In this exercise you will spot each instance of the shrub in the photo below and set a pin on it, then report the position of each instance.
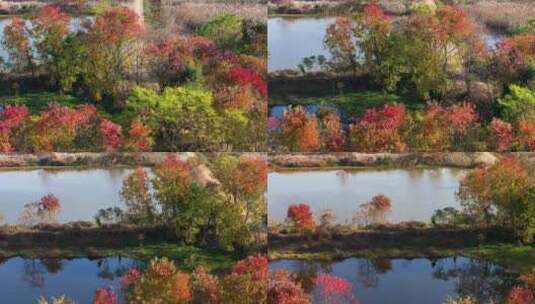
(46, 210)
(501, 191)
(373, 212)
(502, 133)
(518, 104)
(301, 217)
(182, 119)
(225, 30)
(379, 130)
(299, 131)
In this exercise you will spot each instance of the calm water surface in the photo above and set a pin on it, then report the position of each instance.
(415, 193)
(417, 281)
(292, 39)
(25, 280)
(81, 192)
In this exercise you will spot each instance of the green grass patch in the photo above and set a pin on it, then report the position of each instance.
(186, 257)
(36, 102)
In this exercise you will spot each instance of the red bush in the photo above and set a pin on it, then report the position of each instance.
(139, 137)
(379, 130)
(282, 289)
(301, 216)
(246, 77)
(111, 134)
(520, 295)
(502, 133)
(527, 134)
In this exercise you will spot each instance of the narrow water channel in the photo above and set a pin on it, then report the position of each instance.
(415, 193)
(81, 192)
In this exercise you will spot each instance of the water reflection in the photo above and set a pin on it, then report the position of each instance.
(415, 193)
(415, 281)
(25, 280)
(81, 192)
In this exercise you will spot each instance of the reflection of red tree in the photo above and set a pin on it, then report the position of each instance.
(334, 289)
(105, 296)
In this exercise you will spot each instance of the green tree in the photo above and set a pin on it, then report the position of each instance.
(243, 184)
(518, 104)
(182, 118)
(190, 207)
(502, 193)
(225, 30)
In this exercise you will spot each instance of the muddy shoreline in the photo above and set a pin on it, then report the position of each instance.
(444, 238)
(401, 160)
(82, 234)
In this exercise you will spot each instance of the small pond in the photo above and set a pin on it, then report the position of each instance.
(290, 39)
(416, 281)
(25, 280)
(80, 192)
(415, 193)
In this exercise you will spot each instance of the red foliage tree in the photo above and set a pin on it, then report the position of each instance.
(299, 131)
(10, 118)
(255, 266)
(206, 287)
(333, 135)
(248, 77)
(45, 210)
(520, 295)
(139, 137)
(527, 134)
(117, 25)
(445, 128)
(301, 217)
(111, 135)
(339, 41)
(250, 176)
(57, 126)
(17, 43)
(374, 211)
(514, 54)
(502, 133)
(379, 130)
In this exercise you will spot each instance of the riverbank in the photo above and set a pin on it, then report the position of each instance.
(88, 159)
(494, 245)
(188, 257)
(282, 161)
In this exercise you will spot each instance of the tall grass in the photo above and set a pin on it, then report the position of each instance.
(502, 15)
(189, 15)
